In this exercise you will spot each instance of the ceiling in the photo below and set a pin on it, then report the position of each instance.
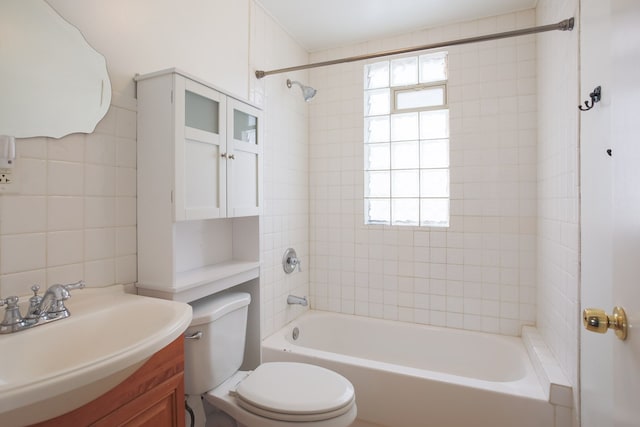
(323, 24)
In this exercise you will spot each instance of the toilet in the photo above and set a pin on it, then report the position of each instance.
(275, 394)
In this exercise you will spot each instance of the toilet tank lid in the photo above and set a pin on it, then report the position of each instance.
(213, 307)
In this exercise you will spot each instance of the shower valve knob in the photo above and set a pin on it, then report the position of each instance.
(290, 261)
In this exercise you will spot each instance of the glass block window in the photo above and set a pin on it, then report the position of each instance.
(406, 141)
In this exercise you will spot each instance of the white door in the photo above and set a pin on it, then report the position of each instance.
(610, 185)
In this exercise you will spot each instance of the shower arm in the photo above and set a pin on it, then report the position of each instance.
(565, 25)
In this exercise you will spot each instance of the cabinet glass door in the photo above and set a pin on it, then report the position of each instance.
(244, 167)
(201, 112)
(200, 152)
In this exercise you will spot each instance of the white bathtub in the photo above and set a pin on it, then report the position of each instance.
(408, 375)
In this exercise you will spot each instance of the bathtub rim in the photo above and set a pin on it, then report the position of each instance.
(529, 386)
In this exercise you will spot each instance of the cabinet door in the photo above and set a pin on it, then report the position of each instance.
(200, 152)
(244, 173)
(159, 407)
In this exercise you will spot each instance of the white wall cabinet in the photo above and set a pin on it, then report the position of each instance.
(214, 141)
(199, 187)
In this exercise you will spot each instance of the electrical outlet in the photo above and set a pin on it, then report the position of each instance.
(7, 181)
(6, 176)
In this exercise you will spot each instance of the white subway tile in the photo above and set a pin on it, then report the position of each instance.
(99, 180)
(22, 252)
(64, 178)
(35, 148)
(100, 149)
(100, 212)
(99, 243)
(100, 273)
(126, 243)
(23, 214)
(65, 213)
(126, 182)
(125, 123)
(65, 247)
(33, 176)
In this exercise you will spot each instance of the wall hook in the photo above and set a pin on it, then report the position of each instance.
(595, 96)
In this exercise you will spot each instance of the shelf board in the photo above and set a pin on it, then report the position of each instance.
(200, 282)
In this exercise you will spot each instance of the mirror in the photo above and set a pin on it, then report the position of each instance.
(52, 83)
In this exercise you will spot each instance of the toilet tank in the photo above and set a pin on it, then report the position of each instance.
(218, 354)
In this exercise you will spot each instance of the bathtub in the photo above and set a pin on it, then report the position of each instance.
(408, 375)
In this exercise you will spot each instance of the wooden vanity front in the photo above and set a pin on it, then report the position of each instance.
(153, 396)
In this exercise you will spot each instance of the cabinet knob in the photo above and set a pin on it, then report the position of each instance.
(232, 156)
(223, 155)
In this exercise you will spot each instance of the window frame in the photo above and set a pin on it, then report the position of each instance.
(394, 90)
(417, 87)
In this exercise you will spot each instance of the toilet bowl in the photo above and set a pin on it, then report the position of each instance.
(277, 394)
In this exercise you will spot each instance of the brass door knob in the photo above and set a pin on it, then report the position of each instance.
(597, 320)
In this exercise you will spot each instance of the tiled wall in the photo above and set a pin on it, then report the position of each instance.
(558, 189)
(75, 215)
(285, 219)
(480, 273)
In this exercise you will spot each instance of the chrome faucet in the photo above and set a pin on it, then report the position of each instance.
(52, 303)
(41, 310)
(292, 299)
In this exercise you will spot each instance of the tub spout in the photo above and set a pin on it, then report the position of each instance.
(292, 299)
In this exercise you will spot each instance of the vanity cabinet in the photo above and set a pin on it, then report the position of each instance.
(199, 187)
(152, 397)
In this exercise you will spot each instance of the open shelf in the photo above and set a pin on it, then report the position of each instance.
(200, 282)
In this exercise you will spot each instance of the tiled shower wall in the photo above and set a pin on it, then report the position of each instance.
(75, 215)
(480, 273)
(285, 219)
(558, 314)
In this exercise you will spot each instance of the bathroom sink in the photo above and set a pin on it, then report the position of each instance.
(52, 369)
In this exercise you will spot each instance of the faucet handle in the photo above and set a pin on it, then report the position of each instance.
(77, 285)
(290, 260)
(10, 302)
(61, 292)
(12, 316)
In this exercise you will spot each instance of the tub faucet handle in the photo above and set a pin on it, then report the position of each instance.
(294, 261)
(290, 261)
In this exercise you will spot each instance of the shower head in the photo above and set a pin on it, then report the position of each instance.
(307, 91)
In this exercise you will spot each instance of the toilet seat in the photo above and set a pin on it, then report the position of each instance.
(224, 398)
(295, 392)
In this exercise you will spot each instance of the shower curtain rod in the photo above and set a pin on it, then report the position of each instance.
(565, 25)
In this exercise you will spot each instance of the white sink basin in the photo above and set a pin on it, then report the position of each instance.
(54, 368)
